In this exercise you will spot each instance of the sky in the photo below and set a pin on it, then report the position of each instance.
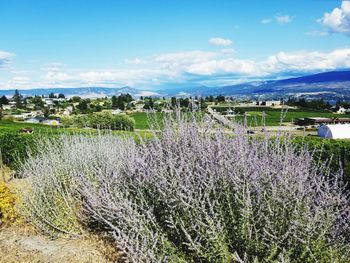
(159, 44)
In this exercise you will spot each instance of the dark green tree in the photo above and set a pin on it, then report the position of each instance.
(120, 103)
(173, 102)
(83, 106)
(17, 97)
(114, 102)
(4, 100)
(37, 100)
(149, 104)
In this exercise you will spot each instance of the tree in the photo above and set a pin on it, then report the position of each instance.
(46, 112)
(61, 96)
(76, 99)
(4, 100)
(17, 97)
(82, 106)
(120, 103)
(126, 97)
(220, 98)
(114, 102)
(184, 102)
(203, 105)
(52, 95)
(149, 104)
(173, 102)
(37, 100)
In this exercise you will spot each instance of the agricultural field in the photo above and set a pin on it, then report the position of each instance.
(13, 127)
(273, 116)
(41, 129)
(142, 119)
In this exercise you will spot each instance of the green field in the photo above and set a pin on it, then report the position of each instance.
(273, 116)
(142, 119)
(10, 126)
(41, 129)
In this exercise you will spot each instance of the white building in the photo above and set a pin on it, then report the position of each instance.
(117, 111)
(341, 110)
(334, 131)
(8, 107)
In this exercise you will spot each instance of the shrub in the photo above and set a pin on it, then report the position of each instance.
(101, 120)
(15, 148)
(106, 120)
(193, 194)
(8, 211)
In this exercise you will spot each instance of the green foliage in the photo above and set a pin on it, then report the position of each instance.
(4, 100)
(310, 104)
(37, 100)
(15, 148)
(120, 101)
(335, 152)
(17, 97)
(101, 120)
(76, 99)
(149, 104)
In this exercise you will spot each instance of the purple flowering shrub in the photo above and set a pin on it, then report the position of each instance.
(192, 194)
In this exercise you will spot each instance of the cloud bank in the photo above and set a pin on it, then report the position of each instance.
(195, 67)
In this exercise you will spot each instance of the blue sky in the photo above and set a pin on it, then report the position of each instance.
(152, 44)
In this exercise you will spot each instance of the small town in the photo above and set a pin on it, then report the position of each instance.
(295, 115)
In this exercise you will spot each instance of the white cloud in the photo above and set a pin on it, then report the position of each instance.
(308, 61)
(218, 41)
(135, 61)
(279, 19)
(339, 19)
(5, 57)
(284, 19)
(228, 51)
(317, 33)
(195, 67)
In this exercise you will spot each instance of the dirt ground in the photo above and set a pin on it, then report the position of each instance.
(17, 246)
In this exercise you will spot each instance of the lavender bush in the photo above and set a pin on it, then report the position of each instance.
(192, 194)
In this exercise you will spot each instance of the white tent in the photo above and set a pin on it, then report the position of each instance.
(334, 131)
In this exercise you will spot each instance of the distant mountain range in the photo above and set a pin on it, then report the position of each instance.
(327, 85)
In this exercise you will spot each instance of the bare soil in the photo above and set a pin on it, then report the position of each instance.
(25, 246)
